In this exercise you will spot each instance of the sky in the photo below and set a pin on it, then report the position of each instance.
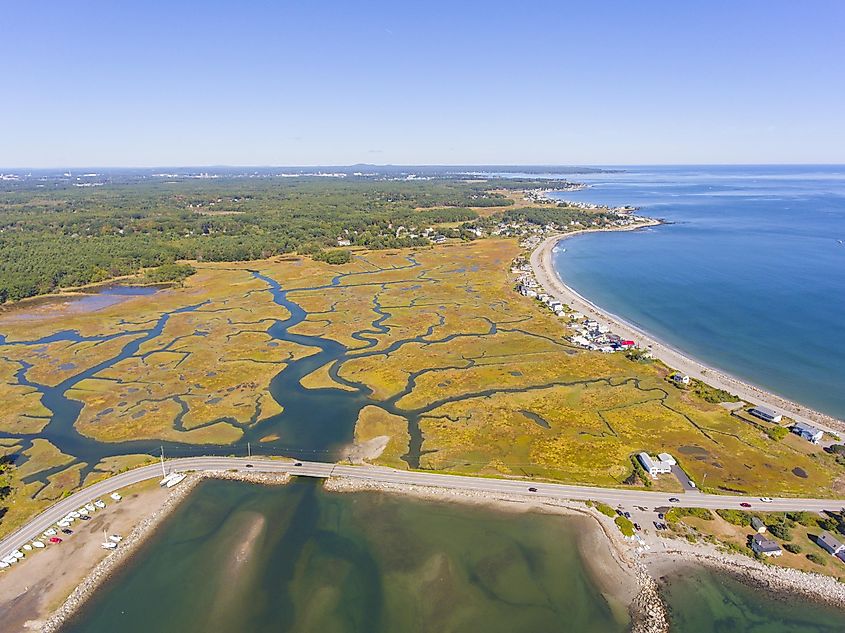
(209, 82)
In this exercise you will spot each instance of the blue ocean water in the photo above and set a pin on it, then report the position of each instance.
(749, 276)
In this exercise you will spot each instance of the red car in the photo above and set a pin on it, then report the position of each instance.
(745, 505)
(55, 539)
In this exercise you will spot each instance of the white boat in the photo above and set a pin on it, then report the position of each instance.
(28, 547)
(90, 507)
(167, 479)
(115, 496)
(50, 532)
(74, 514)
(10, 560)
(37, 544)
(116, 538)
(63, 524)
(109, 545)
(177, 479)
(3, 564)
(18, 554)
(83, 512)
(99, 504)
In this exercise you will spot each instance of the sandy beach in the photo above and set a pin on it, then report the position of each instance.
(548, 278)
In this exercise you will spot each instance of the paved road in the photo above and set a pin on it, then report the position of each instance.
(611, 496)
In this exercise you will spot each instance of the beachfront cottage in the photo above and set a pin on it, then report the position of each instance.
(680, 379)
(767, 414)
(765, 547)
(758, 525)
(809, 433)
(832, 545)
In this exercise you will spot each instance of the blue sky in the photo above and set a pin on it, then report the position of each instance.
(307, 83)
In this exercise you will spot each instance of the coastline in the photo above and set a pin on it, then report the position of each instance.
(551, 281)
(100, 574)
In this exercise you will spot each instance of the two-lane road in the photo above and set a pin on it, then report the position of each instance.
(611, 496)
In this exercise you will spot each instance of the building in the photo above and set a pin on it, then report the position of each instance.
(767, 414)
(765, 547)
(831, 544)
(654, 467)
(666, 457)
(758, 525)
(680, 379)
(809, 433)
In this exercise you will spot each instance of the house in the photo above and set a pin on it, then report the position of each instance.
(809, 433)
(828, 542)
(765, 547)
(680, 379)
(766, 413)
(627, 343)
(654, 467)
(666, 457)
(758, 525)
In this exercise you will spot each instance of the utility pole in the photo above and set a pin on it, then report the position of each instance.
(248, 450)
(163, 472)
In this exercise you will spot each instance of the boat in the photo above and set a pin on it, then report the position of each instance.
(99, 504)
(37, 544)
(116, 538)
(3, 564)
(115, 496)
(28, 547)
(90, 507)
(74, 514)
(50, 532)
(63, 524)
(108, 545)
(176, 479)
(10, 560)
(167, 479)
(83, 512)
(18, 554)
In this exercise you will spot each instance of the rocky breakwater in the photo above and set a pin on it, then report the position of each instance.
(101, 573)
(645, 606)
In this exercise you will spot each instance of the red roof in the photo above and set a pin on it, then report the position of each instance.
(628, 343)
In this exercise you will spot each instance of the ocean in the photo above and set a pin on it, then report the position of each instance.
(748, 275)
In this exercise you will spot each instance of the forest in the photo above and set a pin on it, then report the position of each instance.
(60, 236)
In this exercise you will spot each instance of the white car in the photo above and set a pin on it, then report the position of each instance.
(766, 499)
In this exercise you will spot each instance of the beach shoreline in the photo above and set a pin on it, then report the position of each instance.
(548, 277)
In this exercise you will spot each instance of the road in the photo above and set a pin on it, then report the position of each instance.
(611, 496)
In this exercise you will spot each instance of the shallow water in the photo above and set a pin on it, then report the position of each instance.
(703, 601)
(241, 557)
(750, 277)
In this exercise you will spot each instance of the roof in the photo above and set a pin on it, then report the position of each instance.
(757, 523)
(766, 411)
(802, 427)
(765, 545)
(829, 541)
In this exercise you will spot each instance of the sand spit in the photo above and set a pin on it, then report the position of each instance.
(637, 588)
(548, 278)
(142, 531)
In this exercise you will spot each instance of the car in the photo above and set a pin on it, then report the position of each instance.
(627, 515)
(657, 525)
(674, 500)
(745, 504)
(297, 464)
(532, 489)
(249, 466)
(85, 517)
(661, 516)
(637, 527)
(55, 539)
(766, 499)
(67, 531)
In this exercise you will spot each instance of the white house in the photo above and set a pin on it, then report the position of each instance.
(767, 414)
(666, 457)
(765, 547)
(809, 433)
(828, 542)
(681, 379)
(654, 467)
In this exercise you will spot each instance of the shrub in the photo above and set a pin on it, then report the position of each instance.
(779, 530)
(777, 433)
(735, 517)
(334, 257)
(625, 526)
(818, 559)
(792, 547)
(605, 509)
(807, 519)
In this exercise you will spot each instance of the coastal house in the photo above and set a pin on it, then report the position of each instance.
(766, 413)
(654, 467)
(680, 379)
(765, 547)
(667, 458)
(758, 526)
(832, 545)
(809, 433)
